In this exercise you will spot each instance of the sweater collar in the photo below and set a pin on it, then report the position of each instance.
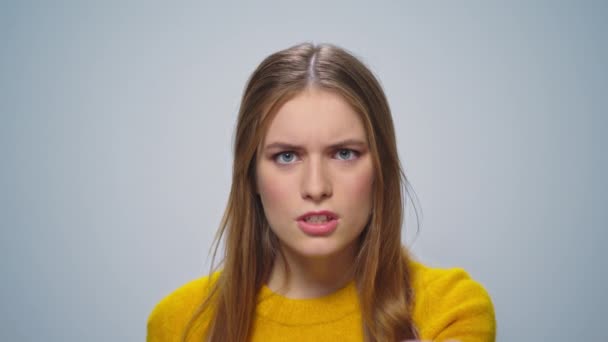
(288, 311)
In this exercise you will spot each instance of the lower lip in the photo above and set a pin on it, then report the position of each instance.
(318, 229)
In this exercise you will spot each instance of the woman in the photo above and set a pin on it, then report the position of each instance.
(312, 228)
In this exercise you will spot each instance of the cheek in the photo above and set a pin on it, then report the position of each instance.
(358, 199)
(361, 184)
(273, 192)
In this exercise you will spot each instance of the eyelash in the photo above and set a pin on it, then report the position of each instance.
(354, 153)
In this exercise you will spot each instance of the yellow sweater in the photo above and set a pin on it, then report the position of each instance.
(448, 305)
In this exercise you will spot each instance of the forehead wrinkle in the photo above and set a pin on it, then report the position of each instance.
(307, 126)
(325, 118)
(324, 136)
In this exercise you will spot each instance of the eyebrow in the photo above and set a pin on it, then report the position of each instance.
(287, 146)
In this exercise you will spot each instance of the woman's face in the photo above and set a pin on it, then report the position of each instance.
(315, 157)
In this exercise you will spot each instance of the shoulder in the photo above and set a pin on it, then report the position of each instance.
(449, 304)
(172, 313)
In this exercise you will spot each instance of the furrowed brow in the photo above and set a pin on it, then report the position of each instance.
(286, 146)
(282, 146)
(350, 142)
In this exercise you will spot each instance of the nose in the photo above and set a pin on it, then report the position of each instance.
(316, 182)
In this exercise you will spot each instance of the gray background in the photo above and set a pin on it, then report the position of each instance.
(116, 130)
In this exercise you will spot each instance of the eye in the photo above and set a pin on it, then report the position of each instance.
(346, 154)
(287, 157)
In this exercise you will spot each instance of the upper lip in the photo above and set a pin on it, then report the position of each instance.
(328, 213)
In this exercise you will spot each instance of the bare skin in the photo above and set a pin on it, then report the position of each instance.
(326, 166)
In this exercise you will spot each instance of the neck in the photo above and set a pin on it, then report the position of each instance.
(311, 277)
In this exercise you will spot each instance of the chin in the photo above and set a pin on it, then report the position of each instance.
(319, 249)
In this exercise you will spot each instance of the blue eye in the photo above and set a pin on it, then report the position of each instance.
(290, 157)
(346, 154)
(285, 157)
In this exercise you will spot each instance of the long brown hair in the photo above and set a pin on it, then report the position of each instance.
(381, 266)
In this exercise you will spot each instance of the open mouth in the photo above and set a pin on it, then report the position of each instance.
(318, 224)
(318, 218)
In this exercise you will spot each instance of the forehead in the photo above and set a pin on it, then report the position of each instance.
(315, 116)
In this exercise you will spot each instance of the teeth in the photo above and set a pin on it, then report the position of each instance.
(317, 218)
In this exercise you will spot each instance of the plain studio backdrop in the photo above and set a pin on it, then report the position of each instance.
(116, 133)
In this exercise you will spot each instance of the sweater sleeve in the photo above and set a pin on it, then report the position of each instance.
(453, 306)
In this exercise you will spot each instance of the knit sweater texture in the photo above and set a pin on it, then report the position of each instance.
(448, 305)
